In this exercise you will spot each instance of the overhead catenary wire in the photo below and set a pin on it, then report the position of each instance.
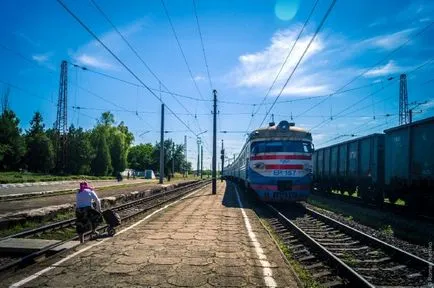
(240, 103)
(284, 62)
(301, 57)
(136, 53)
(110, 102)
(203, 46)
(180, 48)
(120, 61)
(420, 32)
(355, 130)
(185, 61)
(369, 95)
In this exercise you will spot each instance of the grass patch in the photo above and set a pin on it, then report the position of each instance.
(349, 259)
(32, 224)
(28, 177)
(387, 230)
(400, 202)
(303, 274)
(62, 234)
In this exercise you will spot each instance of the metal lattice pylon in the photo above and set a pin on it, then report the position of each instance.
(403, 100)
(62, 118)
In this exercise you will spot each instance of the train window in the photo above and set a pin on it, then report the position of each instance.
(281, 146)
(274, 147)
(298, 146)
(258, 147)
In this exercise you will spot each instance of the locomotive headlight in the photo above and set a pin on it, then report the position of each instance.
(259, 166)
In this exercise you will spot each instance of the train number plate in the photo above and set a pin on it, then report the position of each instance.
(284, 172)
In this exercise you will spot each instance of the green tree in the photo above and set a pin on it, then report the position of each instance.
(140, 157)
(172, 152)
(80, 151)
(129, 137)
(12, 146)
(107, 119)
(118, 152)
(36, 125)
(40, 152)
(101, 164)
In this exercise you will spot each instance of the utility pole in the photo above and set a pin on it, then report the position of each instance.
(403, 100)
(214, 145)
(173, 159)
(185, 155)
(198, 156)
(62, 119)
(201, 162)
(162, 146)
(222, 152)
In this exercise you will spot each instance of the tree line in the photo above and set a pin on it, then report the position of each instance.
(106, 149)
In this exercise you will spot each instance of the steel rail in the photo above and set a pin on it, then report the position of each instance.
(399, 253)
(70, 222)
(355, 278)
(29, 259)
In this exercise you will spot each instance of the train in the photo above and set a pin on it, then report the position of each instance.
(275, 163)
(396, 164)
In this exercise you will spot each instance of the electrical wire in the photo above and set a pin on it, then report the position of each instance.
(135, 52)
(284, 63)
(420, 32)
(369, 95)
(301, 57)
(203, 46)
(119, 60)
(180, 49)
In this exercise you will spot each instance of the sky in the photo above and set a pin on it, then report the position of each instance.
(346, 84)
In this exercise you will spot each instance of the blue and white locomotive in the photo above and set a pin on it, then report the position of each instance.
(276, 163)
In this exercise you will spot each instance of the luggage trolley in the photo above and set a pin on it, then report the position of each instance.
(112, 219)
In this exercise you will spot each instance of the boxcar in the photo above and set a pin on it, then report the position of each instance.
(409, 162)
(352, 166)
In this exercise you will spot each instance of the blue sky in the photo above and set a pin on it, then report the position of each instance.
(245, 42)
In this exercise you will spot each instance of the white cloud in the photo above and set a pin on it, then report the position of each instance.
(387, 69)
(87, 60)
(41, 58)
(199, 78)
(426, 19)
(378, 22)
(258, 70)
(389, 41)
(427, 105)
(93, 54)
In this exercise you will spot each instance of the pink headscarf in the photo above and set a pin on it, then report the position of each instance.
(84, 185)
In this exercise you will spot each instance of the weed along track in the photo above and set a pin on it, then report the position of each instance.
(63, 232)
(335, 253)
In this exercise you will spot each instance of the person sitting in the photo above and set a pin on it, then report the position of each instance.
(88, 210)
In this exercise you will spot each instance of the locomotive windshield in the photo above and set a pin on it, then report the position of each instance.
(281, 146)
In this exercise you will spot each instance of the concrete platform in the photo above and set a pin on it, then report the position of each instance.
(24, 246)
(203, 240)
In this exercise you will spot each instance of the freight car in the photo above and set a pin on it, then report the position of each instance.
(352, 166)
(409, 164)
(396, 164)
(275, 163)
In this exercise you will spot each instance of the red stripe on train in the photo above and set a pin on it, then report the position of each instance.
(272, 157)
(284, 166)
(274, 187)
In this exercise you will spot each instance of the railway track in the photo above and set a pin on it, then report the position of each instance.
(126, 211)
(401, 210)
(338, 255)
